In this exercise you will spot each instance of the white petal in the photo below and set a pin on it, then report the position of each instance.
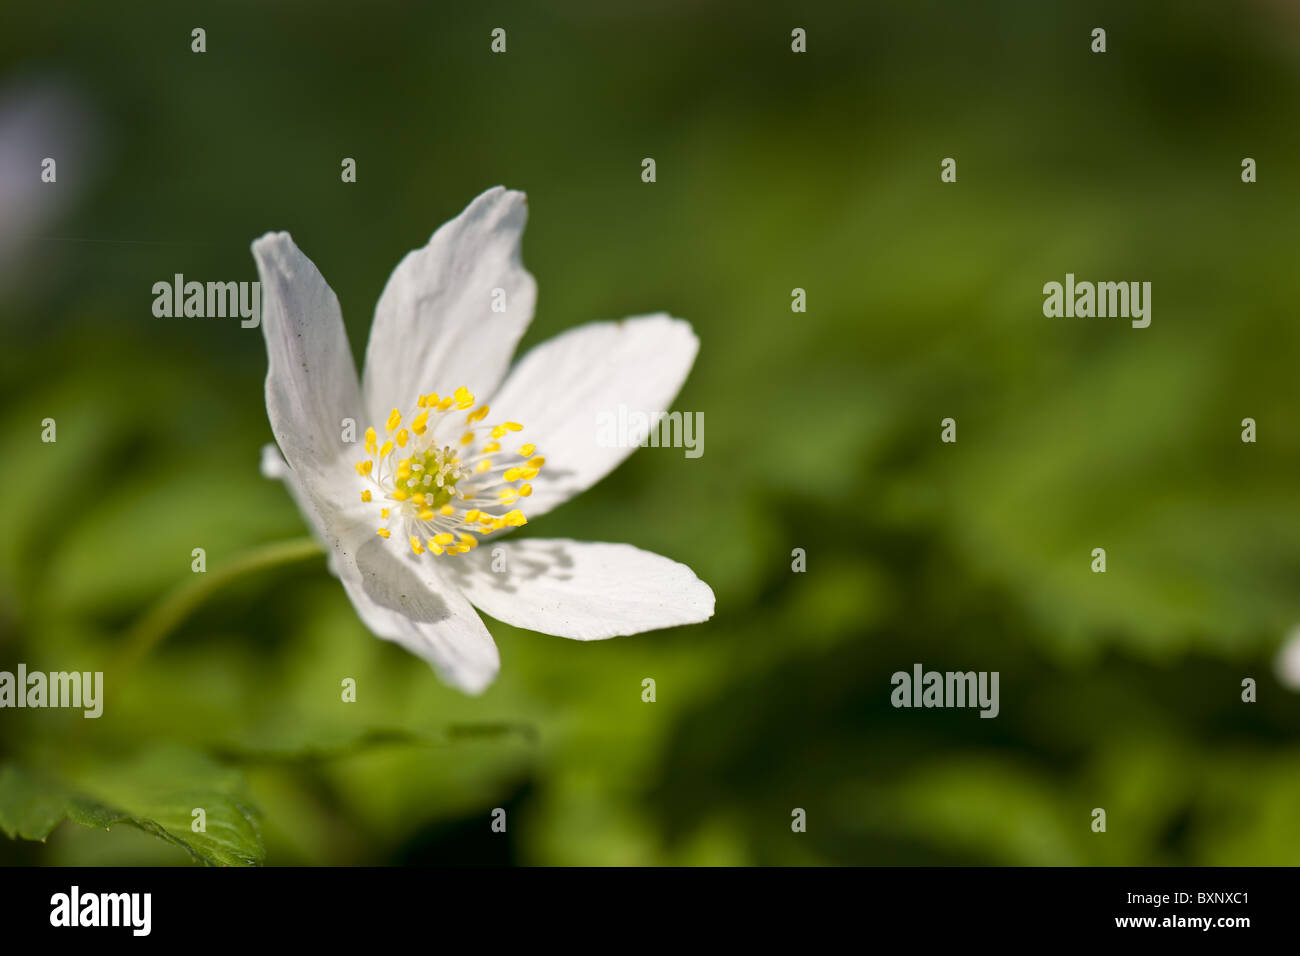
(405, 599)
(584, 590)
(274, 467)
(311, 383)
(1288, 661)
(272, 464)
(434, 328)
(396, 597)
(561, 389)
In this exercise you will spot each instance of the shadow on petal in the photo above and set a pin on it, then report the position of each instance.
(529, 560)
(391, 582)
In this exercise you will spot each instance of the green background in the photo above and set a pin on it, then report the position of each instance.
(821, 171)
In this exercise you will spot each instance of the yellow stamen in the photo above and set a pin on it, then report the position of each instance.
(432, 488)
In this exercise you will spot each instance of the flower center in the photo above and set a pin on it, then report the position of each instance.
(440, 475)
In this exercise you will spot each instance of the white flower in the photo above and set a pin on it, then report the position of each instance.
(402, 510)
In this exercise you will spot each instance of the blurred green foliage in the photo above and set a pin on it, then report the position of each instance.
(775, 171)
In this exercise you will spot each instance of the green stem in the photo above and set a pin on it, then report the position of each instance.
(180, 603)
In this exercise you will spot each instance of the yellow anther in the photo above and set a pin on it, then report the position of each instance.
(428, 485)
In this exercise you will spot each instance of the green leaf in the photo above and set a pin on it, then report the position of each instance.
(157, 793)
